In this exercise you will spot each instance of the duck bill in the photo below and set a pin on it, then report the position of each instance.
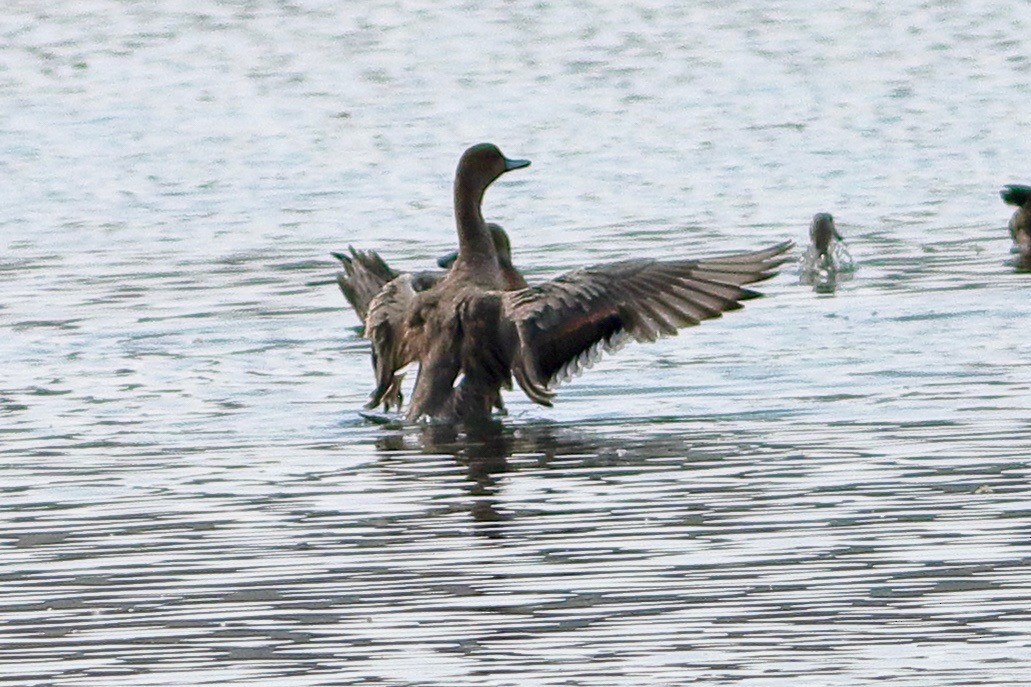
(515, 164)
(446, 261)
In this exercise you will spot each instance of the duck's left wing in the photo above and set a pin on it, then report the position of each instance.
(387, 328)
(364, 275)
(565, 324)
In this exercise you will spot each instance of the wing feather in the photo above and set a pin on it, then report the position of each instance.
(566, 324)
(364, 274)
(386, 327)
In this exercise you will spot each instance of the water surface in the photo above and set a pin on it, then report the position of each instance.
(820, 489)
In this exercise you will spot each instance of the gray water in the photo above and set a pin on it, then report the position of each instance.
(818, 490)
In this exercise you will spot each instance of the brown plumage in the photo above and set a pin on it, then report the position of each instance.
(363, 286)
(365, 273)
(563, 326)
(470, 337)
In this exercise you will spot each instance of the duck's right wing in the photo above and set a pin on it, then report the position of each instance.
(565, 324)
(364, 274)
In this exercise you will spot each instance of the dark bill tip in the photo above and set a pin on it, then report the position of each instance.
(515, 164)
(446, 261)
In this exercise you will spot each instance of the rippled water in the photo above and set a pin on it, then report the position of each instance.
(819, 490)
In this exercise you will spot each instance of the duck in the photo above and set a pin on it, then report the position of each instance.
(826, 257)
(1020, 222)
(365, 273)
(470, 337)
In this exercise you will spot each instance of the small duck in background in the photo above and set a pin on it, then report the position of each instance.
(1020, 222)
(826, 259)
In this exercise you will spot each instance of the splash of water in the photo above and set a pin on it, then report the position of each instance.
(824, 271)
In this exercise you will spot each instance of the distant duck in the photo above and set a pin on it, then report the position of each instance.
(1020, 222)
(470, 337)
(821, 232)
(826, 256)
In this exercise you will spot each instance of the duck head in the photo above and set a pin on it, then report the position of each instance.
(482, 163)
(1015, 194)
(478, 167)
(821, 231)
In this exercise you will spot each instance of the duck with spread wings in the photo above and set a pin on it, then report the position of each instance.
(470, 337)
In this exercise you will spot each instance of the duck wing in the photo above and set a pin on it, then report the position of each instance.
(564, 325)
(364, 274)
(386, 326)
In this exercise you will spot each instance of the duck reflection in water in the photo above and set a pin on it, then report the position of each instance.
(826, 261)
(487, 451)
(482, 448)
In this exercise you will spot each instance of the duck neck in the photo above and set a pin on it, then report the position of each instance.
(476, 252)
(510, 275)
